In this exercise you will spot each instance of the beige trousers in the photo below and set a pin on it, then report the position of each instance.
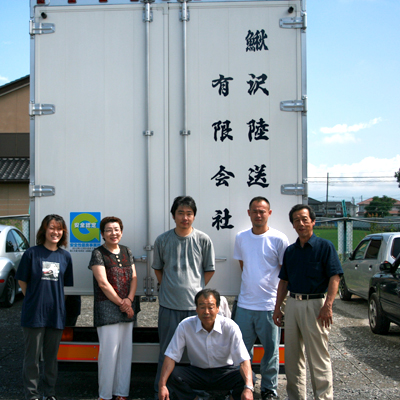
(303, 331)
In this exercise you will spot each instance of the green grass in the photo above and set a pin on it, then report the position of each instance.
(12, 222)
(358, 235)
(332, 235)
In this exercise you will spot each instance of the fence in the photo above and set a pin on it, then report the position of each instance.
(22, 222)
(345, 233)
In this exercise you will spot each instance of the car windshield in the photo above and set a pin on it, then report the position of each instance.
(11, 244)
(21, 241)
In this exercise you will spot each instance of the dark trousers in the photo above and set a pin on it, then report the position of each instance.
(168, 320)
(184, 379)
(36, 340)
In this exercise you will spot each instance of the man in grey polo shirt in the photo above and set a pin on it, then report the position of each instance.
(215, 348)
(184, 262)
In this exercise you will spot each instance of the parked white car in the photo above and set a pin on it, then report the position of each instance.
(365, 262)
(12, 245)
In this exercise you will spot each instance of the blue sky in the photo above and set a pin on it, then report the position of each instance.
(353, 63)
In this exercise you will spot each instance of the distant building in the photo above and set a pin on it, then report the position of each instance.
(317, 206)
(332, 209)
(361, 207)
(14, 148)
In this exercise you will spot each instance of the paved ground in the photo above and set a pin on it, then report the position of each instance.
(366, 366)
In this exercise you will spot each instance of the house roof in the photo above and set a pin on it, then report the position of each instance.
(366, 202)
(339, 203)
(14, 169)
(312, 201)
(14, 85)
(331, 204)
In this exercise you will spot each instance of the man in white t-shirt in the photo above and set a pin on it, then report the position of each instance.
(260, 253)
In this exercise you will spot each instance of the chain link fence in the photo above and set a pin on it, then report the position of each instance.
(345, 233)
(22, 222)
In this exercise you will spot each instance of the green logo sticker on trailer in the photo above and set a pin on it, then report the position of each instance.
(84, 231)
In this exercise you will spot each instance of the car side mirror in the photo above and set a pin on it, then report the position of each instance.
(351, 256)
(386, 266)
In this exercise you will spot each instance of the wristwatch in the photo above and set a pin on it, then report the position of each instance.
(249, 387)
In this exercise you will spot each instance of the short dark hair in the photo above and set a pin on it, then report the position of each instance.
(41, 233)
(299, 207)
(206, 293)
(107, 220)
(183, 201)
(258, 199)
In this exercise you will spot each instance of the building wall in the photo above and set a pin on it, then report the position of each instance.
(14, 123)
(14, 142)
(14, 199)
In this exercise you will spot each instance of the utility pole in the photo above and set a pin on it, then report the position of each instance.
(327, 190)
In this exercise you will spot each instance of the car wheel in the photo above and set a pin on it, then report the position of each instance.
(377, 320)
(344, 293)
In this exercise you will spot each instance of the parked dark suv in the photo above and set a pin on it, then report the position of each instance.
(384, 297)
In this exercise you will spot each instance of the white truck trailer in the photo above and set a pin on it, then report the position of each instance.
(134, 103)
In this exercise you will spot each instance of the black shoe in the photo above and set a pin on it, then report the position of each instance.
(268, 394)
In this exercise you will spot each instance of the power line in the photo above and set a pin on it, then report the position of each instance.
(352, 179)
(346, 181)
(338, 183)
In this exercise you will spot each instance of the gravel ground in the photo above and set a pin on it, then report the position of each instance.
(365, 366)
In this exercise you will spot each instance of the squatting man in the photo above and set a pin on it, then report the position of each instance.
(215, 348)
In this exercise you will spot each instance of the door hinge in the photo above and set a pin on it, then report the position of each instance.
(295, 105)
(41, 109)
(148, 286)
(41, 190)
(293, 189)
(147, 16)
(294, 23)
(39, 28)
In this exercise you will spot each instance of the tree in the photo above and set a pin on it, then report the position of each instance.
(397, 176)
(379, 207)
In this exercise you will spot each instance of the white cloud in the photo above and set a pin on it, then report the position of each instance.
(3, 80)
(343, 133)
(344, 128)
(341, 138)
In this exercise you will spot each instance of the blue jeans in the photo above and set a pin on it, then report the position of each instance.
(260, 323)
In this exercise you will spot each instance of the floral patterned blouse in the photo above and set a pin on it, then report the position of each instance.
(119, 274)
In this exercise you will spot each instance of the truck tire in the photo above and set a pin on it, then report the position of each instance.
(377, 320)
(9, 292)
(344, 293)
